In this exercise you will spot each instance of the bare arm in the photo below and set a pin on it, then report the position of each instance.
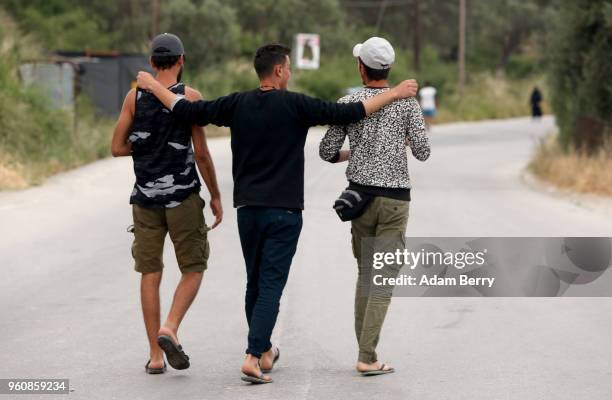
(204, 162)
(120, 145)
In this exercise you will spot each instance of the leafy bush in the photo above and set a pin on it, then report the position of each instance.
(489, 97)
(331, 80)
(36, 139)
(580, 65)
(218, 80)
(209, 31)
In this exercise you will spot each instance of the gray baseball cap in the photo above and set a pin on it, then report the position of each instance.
(376, 53)
(167, 44)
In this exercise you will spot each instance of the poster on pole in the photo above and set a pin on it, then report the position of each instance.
(307, 51)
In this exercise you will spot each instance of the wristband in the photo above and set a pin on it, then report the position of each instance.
(178, 98)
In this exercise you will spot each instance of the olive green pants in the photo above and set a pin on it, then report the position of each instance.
(380, 229)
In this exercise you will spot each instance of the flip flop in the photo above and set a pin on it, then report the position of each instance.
(174, 352)
(256, 380)
(155, 371)
(379, 371)
(276, 357)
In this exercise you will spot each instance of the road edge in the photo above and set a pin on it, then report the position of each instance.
(590, 202)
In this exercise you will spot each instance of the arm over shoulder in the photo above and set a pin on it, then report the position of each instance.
(202, 112)
(314, 111)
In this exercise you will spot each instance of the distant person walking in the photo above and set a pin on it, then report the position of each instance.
(536, 103)
(165, 198)
(377, 171)
(268, 133)
(427, 96)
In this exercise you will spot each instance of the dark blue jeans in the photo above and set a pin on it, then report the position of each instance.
(269, 238)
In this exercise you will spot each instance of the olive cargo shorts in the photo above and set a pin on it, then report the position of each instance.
(188, 232)
(384, 225)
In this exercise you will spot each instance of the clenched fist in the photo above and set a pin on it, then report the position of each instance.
(145, 80)
(408, 88)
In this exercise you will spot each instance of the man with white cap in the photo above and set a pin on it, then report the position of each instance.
(378, 178)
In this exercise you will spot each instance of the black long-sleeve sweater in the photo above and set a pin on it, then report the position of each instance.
(268, 130)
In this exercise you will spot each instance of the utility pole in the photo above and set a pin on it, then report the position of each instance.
(381, 14)
(462, 12)
(416, 34)
(154, 18)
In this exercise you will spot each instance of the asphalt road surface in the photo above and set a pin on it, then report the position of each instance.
(70, 304)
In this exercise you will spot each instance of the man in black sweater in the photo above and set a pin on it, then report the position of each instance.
(268, 132)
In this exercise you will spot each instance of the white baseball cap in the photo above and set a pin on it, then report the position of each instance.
(376, 53)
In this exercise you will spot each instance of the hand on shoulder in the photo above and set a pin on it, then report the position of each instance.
(192, 94)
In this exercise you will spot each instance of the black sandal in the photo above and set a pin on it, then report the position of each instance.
(379, 371)
(257, 380)
(154, 371)
(174, 352)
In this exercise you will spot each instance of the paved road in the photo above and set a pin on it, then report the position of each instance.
(70, 305)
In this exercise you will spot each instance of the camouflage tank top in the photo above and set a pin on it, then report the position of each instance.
(162, 153)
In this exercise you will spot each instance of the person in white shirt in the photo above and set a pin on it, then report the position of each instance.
(428, 103)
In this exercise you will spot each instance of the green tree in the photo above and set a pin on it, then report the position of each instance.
(279, 20)
(580, 72)
(414, 24)
(77, 25)
(499, 29)
(209, 30)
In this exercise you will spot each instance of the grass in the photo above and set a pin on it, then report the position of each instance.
(573, 169)
(489, 97)
(31, 150)
(36, 140)
(12, 173)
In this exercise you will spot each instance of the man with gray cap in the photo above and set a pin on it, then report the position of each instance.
(165, 198)
(378, 174)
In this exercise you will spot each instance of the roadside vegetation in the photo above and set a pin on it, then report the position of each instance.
(509, 50)
(572, 169)
(37, 140)
(580, 157)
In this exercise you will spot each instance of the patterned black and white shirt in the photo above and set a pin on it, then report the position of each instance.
(378, 142)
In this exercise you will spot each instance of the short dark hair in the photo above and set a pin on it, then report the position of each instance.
(268, 56)
(375, 74)
(164, 62)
